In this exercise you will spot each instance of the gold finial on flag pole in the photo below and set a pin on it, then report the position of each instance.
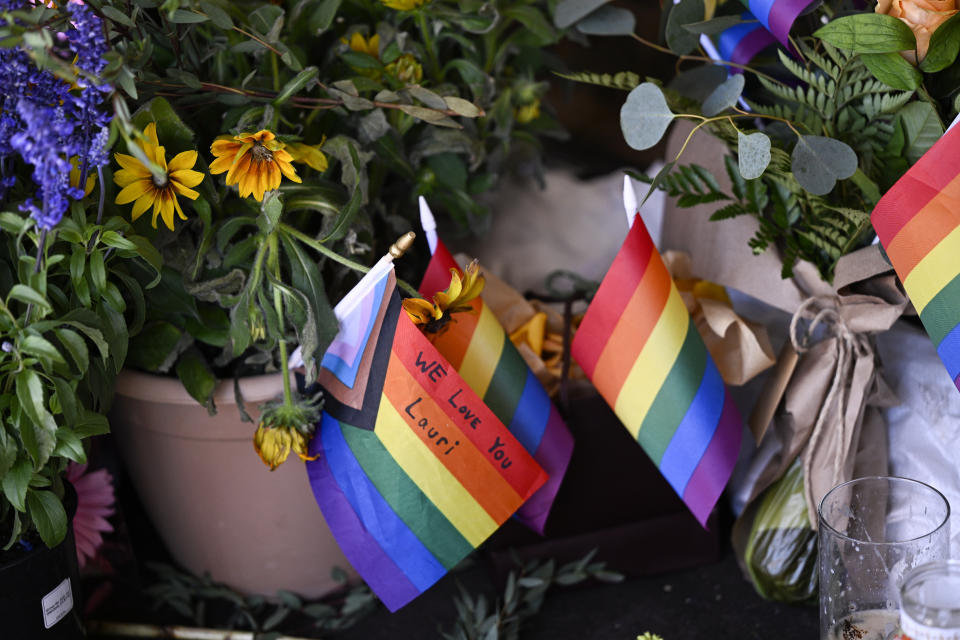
(402, 245)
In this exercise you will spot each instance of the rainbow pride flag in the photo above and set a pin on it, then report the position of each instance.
(414, 471)
(741, 42)
(477, 346)
(640, 348)
(918, 223)
(778, 16)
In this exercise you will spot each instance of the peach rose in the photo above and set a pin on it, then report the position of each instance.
(922, 16)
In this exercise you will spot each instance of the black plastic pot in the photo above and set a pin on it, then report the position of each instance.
(40, 591)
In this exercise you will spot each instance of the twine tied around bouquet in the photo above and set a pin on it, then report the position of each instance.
(828, 456)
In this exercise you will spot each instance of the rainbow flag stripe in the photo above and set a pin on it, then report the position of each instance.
(418, 473)
(639, 346)
(778, 16)
(477, 346)
(918, 223)
(741, 42)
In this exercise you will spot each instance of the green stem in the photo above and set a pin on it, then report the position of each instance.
(336, 257)
(429, 45)
(274, 266)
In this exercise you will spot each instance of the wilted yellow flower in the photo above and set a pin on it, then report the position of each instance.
(406, 69)
(274, 444)
(309, 155)
(528, 112)
(144, 188)
(404, 5)
(922, 16)
(360, 44)
(255, 161)
(433, 316)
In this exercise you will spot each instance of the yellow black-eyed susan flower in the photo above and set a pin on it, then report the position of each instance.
(285, 426)
(369, 46)
(143, 188)
(256, 162)
(433, 316)
(404, 5)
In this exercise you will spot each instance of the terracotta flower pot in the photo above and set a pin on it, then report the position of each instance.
(217, 507)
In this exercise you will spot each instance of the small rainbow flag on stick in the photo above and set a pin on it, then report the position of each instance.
(918, 223)
(477, 346)
(640, 348)
(414, 471)
(778, 16)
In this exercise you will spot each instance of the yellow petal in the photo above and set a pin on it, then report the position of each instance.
(183, 191)
(241, 164)
(176, 206)
(151, 133)
(123, 177)
(133, 191)
(287, 169)
(225, 145)
(142, 204)
(221, 164)
(166, 209)
(187, 177)
(183, 160)
(131, 164)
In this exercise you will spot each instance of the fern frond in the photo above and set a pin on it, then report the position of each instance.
(625, 80)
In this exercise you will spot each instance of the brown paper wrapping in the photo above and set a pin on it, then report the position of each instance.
(827, 387)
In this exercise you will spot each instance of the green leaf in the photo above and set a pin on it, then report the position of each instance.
(30, 394)
(463, 107)
(679, 39)
(323, 15)
(294, 86)
(360, 60)
(608, 21)
(42, 348)
(570, 11)
(891, 69)
(23, 293)
(217, 15)
(534, 20)
(154, 346)
(48, 515)
(98, 272)
(182, 16)
(117, 241)
(115, 333)
(212, 328)
(922, 128)
(76, 346)
(724, 96)
(645, 116)
(16, 481)
(305, 276)
(69, 446)
(868, 33)
(197, 378)
(67, 398)
(818, 162)
(343, 221)
(753, 154)
(171, 130)
(91, 424)
(944, 46)
(117, 16)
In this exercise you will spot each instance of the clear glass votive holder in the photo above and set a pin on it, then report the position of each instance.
(930, 602)
(872, 532)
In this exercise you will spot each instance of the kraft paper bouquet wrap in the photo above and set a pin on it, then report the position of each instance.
(819, 419)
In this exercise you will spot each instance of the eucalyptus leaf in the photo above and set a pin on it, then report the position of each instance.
(570, 11)
(818, 162)
(608, 21)
(715, 25)
(679, 39)
(645, 116)
(753, 154)
(724, 96)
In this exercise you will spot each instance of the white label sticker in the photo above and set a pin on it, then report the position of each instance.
(57, 604)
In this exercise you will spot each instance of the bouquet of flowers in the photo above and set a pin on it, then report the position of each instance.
(818, 109)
